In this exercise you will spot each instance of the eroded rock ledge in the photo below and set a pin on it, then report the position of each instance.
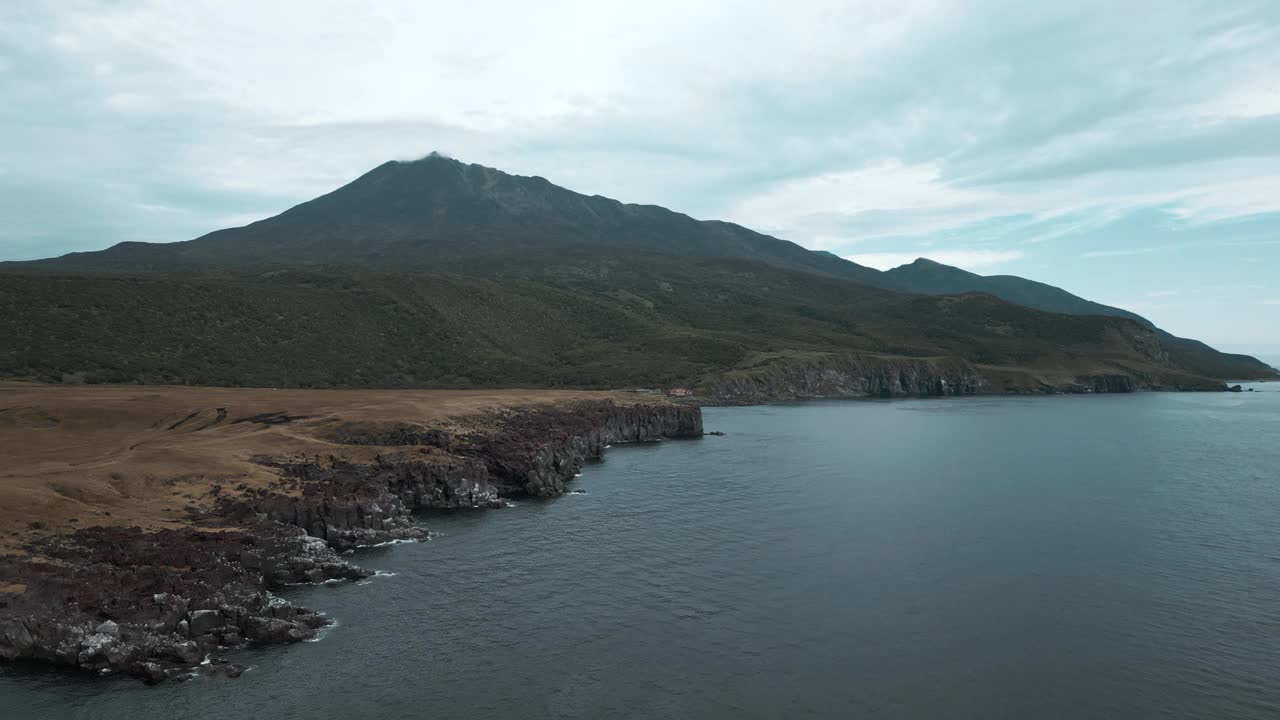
(159, 604)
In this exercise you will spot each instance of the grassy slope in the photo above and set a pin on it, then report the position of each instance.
(648, 320)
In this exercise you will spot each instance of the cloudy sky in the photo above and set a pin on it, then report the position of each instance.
(1127, 151)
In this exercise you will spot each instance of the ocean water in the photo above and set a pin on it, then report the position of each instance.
(1060, 557)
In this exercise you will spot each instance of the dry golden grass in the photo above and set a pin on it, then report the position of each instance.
(80, 456)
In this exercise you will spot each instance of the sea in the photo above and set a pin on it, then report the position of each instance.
(1111, 556)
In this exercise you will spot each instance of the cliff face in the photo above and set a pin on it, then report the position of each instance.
(154, 604)
(530, 452)
(853, 376)
(847, 376)
(535, 454)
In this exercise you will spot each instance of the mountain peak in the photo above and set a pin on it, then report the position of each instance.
(923, 264)
(432, 157)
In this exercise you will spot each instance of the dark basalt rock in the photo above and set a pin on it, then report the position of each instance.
(154, 604)
(530, 452)
(536, 452)
(345, 504)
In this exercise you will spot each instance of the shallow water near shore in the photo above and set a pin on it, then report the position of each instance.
(1058, 557)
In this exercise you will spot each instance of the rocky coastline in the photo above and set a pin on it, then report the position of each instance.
(864, 376)
(162, 604)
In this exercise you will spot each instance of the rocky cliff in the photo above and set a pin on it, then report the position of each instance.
(860, 376)
(846, 376)
(156, 604)
(521, 453)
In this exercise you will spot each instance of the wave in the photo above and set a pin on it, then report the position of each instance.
(396, 541)
(376, 574)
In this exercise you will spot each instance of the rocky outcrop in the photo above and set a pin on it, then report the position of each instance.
(532, 451)
(846, 376)
(156, 604)
(350, 504)
(536, 453)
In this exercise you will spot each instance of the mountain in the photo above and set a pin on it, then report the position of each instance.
(443, 215)
(931, 278)
(440, 273)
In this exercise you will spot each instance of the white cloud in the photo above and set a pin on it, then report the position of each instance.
(967, 259)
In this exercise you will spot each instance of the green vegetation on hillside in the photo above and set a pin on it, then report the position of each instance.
(649, 322)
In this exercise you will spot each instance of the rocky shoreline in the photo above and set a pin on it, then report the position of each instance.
(161, 604)
(865, 376)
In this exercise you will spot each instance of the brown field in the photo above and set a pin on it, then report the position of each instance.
(80, 456)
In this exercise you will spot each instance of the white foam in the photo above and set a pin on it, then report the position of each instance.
(397, 541)
(576, 492)
(376, 574)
